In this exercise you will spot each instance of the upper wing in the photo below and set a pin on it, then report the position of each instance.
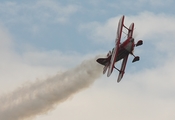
(119, 30)
(116, 48)
(122, 70)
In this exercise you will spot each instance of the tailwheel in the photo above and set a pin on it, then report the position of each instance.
(137, 58)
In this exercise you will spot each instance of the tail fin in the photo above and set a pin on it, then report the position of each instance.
(105, 62)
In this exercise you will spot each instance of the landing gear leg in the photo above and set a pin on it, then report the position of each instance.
(137, 58)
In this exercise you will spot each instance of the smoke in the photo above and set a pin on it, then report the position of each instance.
(41, 96)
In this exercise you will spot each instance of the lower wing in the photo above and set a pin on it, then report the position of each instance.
(122, 69)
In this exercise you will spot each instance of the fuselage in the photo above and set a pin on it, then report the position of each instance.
(125, 48)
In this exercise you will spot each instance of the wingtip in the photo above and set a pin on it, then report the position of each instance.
(119, 78)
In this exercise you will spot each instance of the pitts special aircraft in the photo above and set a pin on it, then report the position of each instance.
(120, 51)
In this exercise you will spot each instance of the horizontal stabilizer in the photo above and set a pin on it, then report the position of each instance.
(105, 68)
(102, 61)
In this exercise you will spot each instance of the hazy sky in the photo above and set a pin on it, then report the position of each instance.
(40, 38)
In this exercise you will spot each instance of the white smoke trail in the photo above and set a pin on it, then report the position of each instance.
(41, 96)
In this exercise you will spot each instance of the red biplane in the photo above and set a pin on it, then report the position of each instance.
(120, 51)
